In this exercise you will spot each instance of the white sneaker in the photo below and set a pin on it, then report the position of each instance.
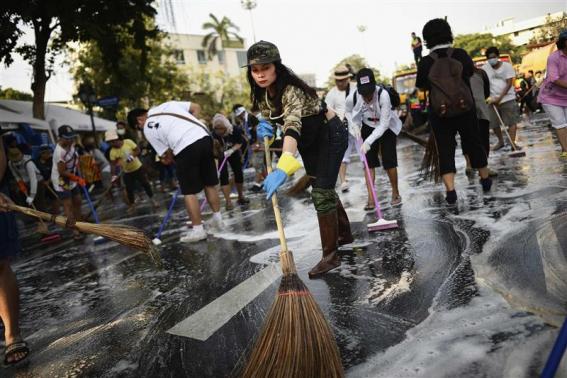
(194, 235)
(215, 224)
(344, 187)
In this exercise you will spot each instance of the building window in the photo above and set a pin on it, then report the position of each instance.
(201, 57)
(221, 57)
(179, 57)
(241, 57)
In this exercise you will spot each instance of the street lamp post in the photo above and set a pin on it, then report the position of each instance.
(88, 98)
(362, 29)
(249, 5)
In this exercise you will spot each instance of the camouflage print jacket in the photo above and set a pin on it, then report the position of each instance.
(296, 105)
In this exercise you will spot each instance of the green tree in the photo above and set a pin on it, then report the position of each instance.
(221, 30)
(56, 22)
(159, 81)
(356, 62)
(550, 30)
(14, 94)
(475, 44)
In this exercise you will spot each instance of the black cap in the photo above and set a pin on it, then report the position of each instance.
(262, 52)
(365, 82)
(66, 132)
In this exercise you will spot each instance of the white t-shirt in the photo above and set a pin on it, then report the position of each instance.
(170, 132)
(336, 100)
(498, 79)
(69, 158)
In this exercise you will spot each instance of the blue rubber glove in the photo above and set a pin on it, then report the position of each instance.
(273, 181)
(264, 129)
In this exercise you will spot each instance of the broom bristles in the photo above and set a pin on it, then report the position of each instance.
(126, 235)
(430, 162)
(296, 340)
(299, 186)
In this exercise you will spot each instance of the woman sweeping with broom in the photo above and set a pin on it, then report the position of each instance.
(296, 340)
(308, 127)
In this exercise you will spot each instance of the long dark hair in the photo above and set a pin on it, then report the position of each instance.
(284, 77)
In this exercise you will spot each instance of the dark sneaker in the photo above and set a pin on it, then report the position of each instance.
(256, 188)
(451, 197)
(486, 184)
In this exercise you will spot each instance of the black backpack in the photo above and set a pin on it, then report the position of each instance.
(394, 96)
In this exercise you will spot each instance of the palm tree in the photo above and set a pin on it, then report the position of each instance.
(223, 30)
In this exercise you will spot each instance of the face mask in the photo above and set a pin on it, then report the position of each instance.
(120, 131)
(493, 61)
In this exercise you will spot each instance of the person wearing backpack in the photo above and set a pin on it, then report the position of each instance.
(370, 115)
(445, 74)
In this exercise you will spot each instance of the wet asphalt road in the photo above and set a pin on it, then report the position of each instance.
(104, 311)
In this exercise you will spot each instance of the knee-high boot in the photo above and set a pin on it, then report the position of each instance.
(345, 235)
(329, 231)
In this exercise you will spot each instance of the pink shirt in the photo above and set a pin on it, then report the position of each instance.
(556, 69)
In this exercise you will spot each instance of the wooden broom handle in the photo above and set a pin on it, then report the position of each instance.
(277, 213)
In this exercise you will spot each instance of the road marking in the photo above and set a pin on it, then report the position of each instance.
(209, 319)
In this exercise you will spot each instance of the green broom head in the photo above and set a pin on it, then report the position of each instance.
(296, 340)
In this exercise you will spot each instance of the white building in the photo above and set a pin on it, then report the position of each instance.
(521, 31)
(189, 52)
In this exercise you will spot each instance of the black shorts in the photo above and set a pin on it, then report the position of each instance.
(195, 166)
(385, 146)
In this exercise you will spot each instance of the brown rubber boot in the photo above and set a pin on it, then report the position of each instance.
(329, 231)
(345, 235)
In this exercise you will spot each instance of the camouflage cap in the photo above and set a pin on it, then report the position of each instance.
(262, 52)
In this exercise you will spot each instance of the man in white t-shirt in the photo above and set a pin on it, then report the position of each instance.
(371, 118)
(501, 76)
(175, 133)
(336, 100)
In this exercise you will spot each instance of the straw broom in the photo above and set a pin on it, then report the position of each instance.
(296, 340)
(430, 162)
(125, 235)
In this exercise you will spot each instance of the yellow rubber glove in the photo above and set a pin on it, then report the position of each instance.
(288, 163)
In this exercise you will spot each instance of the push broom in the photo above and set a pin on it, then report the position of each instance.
(515, 151)
(296, 340)
(381, 224)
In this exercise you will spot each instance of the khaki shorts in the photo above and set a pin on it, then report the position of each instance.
(509, 112)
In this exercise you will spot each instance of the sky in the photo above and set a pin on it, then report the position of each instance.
(313, 35)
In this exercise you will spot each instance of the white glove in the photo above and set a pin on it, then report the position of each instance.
(29, 200)
(365, 147)
(228, 152)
